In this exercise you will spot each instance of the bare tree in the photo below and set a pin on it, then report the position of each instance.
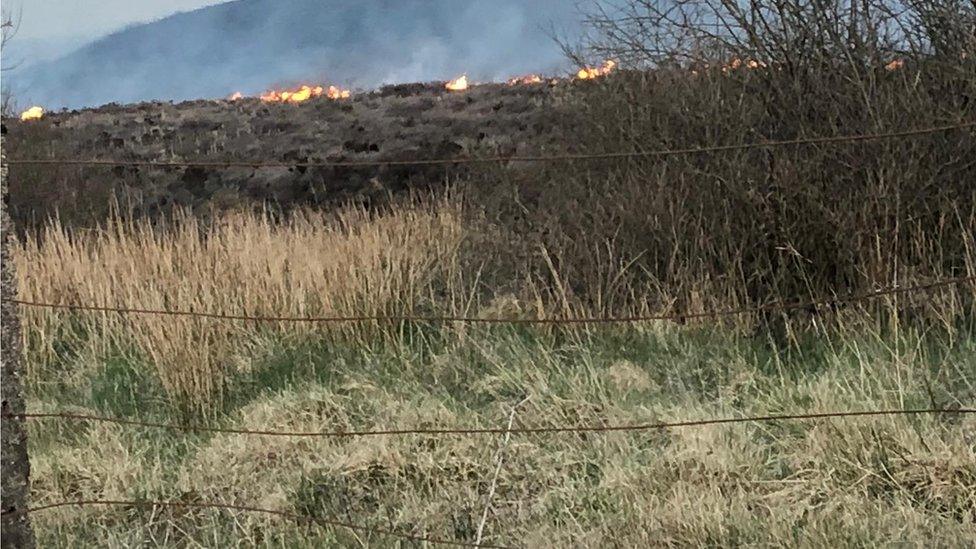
(788, 33)
(9, 25)
(700, 73)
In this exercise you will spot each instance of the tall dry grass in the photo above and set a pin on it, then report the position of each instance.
(421, 257)
(314, 264)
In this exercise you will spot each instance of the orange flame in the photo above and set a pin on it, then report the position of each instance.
(304, 93)
(458, 84)
(525, 80)
(235, 96)
(589, 73)
(337, 93)
(33, 113)
(895, 65)
(737, 63)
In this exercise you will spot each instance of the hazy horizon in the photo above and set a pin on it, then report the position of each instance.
(61, 19)
(49, 29)
(249, 45)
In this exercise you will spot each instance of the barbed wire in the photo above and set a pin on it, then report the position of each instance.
(499, 158)
(382, 531)
(782, 306)
(488, 430)
(772, 307)
(251, 509)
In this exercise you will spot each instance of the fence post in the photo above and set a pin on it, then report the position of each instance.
(14, 464)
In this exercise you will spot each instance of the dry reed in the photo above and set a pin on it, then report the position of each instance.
(312, 264)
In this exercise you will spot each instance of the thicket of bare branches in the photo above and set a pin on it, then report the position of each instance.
(832, 48)
(763, 224)
(790, 34)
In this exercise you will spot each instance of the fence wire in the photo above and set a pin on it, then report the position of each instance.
(783, 306)
(489, 430)
(772, 307)
(247, 508)
(804, 141)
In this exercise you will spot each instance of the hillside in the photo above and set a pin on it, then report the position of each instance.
(249, 45)
(403, 122)
(755, 327)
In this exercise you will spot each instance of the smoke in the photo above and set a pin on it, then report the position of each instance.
(251, 45)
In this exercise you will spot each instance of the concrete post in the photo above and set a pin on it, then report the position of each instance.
(15, 528)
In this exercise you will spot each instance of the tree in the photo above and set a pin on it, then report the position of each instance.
(9, 25)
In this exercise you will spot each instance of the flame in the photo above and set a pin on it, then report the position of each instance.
(895, 65)
(33, 113)
(589, 73)
(525, 80)
(458, 84)
(337, 93)
(235, 96)
(304, 93)
(737, 63)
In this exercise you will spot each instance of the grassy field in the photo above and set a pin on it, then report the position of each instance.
(863, 482)
(743, 226)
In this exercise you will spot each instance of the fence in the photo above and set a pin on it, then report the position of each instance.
(772, 307)
(473, 431)
(495, 431)
(799, 142)
(247, 508)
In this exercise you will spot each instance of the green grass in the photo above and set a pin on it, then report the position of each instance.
(860, 482)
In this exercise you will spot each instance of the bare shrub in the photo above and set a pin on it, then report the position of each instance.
(756, 225)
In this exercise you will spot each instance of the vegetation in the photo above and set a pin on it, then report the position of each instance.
(676, 235)
(854, 482)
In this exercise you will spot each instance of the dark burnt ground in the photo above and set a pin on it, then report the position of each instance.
(402, 122)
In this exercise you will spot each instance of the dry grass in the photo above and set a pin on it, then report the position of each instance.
(423, 256)
(353, 263)
(859, 482)
(862, 482)
(643, 236)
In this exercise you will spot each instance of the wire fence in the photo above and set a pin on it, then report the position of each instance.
(402, 535)
(491, 430)
(250, 509)
(477, 431)
(824, 140)
(772, 307)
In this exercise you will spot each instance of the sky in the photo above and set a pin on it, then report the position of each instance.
(76, 19)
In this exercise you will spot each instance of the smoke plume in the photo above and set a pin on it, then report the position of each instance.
(252, 45)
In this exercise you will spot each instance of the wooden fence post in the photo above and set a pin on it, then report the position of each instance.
(15, 526)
